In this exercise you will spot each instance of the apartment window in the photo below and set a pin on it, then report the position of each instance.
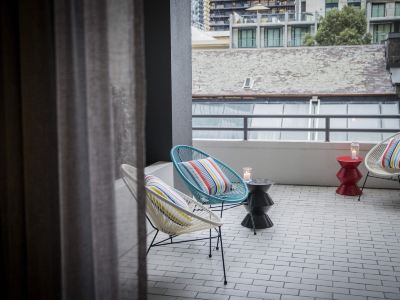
(298, 34)
(378, 10)
(397, 9)
(273, 37)
(247, 38)
(354, 3)
(380, 32)
(303, 6)
(331, 4)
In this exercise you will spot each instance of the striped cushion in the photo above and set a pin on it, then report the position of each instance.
(208, 176)
(391, 156)
(160, 188)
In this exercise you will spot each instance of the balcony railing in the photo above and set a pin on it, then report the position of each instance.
(327, 129)
(272, 18)
(389, 12)
(302, 17)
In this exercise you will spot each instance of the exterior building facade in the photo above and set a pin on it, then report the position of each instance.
(278, 28)
(383, 17)
(201, 14)
(272, 30)
(220, 10)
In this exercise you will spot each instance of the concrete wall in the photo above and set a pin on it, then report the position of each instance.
(168, 77)
(316, 6)
(303, 163)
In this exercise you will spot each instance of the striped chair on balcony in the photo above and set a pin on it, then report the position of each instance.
(234, 195)
(375, 165)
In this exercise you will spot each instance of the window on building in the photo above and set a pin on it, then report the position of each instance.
(354, 3)
(303, 6)
(331, 4)
(397, 9)
(378, 10)
(380, 32)
(297, 35)
(273, 37)
(247, 38)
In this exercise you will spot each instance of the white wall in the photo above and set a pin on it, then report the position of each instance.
(316, 6)
(303, 163)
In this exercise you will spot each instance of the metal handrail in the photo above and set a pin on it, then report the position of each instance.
(327, 128)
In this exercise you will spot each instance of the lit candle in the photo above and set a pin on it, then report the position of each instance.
(353, 154)
(354, 148)
(247, 174)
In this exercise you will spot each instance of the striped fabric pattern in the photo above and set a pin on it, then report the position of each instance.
(208, 175)
(390, 158)
(162, 189)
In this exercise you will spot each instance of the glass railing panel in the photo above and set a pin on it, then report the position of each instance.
(217, 135)
(293, 109)
(333, 109)
(364, 109)
(272, 18)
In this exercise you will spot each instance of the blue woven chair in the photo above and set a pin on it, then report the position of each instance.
(237, 195)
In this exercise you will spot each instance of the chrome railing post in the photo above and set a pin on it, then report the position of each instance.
(245, 127)
(327, 129)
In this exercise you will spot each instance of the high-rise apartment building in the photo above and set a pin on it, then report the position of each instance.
(201, 14)
(220, 10)
(383, 17)
(285, 28)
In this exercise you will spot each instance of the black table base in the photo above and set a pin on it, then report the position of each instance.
(257, 205)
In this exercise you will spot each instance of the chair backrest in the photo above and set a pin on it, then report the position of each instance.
(182, 153)
(373, 155)
(159, 218)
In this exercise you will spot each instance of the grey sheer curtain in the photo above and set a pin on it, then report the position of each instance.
(72, 110)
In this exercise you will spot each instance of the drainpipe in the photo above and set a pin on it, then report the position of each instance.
(315, 22)
(230, 32)
(258, 37)
(369, 17)
(285, 37)
(393, 59)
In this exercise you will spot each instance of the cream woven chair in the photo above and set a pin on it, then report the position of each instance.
(201, 217)
(373, 167)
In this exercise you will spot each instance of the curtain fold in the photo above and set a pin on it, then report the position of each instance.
(72, 110)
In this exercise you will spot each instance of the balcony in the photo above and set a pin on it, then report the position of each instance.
(391, 13)
(271, 19)
(230, 7)
(308, 18)
(322, 246)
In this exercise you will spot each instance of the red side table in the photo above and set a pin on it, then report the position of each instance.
(348, 176)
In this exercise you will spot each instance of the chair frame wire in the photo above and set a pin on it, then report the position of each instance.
(376, 171)
(214, 222)
(191, 153)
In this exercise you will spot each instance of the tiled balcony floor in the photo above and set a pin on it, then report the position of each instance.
(322, 246)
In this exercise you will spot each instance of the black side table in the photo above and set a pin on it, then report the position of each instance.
(257, 205)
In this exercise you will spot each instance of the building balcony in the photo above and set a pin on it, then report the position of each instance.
(271, 19)
(322, 246)
(229, 7)
(391, 13)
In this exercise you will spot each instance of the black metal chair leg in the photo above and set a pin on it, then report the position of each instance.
(209, 255)
(222, 253)
(362, 189)
(151, 244)
(254, 226)
(222, 209)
